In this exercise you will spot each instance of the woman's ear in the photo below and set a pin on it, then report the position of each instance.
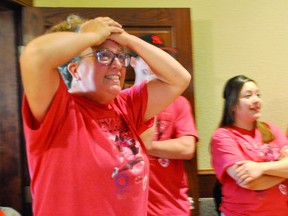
(133, 62)
(72, 68)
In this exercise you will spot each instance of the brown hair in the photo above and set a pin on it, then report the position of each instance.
(267, 135)
(231, 96)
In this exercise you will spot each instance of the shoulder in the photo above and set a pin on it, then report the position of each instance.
(222, 131)
(182, 99)
(135, 89)
(277, 132)
(272, 126)
(181, 103)
(223, 134)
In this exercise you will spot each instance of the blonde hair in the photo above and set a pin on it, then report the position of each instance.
(267, 135)
(71, 24)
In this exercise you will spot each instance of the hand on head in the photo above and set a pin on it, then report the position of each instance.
(103, 26)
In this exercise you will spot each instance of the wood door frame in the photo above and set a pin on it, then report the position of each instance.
(36, 20)
(12, 148)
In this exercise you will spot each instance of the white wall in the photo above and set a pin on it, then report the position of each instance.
(239, 37)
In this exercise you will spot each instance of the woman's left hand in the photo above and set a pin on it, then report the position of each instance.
(248, 171)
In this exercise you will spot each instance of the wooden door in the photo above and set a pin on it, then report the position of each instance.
(11, 191)
(172, 24)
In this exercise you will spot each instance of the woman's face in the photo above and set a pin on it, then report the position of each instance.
(247, 110)
(100, 82)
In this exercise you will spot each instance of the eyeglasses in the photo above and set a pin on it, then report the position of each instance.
(106, 57)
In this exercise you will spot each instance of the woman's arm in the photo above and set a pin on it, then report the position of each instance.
(43, 55)
(251, 175)
(172, 77)
(182, 148)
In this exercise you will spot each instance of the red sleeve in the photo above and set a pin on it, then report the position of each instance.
(225, 151)
(133, 104)
(184, 123)
(48, 127)
(280, 137)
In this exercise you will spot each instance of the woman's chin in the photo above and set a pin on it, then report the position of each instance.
(257, 116)
(115, 89)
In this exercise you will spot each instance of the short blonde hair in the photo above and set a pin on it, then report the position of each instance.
(71, 24)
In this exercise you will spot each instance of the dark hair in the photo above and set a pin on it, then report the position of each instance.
(231, 94)
(71, 24)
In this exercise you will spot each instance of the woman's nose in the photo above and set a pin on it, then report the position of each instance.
(116, 63)
(256, 98)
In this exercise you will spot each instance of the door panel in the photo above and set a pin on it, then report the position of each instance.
(10, 123)
(172, 24)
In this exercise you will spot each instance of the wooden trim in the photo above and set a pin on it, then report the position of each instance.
(14, 4)
(207, 181)
(23, 2)
(206, 172)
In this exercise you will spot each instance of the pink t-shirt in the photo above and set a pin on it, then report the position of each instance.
(86, 158)
(168, 181)
(230, 145)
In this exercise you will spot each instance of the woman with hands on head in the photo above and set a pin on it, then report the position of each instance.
(84, 153)
(249, 156)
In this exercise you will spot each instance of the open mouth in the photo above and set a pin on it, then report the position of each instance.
(112, 77)
(256, 109)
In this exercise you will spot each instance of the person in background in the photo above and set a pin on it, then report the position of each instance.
(172, 140)
(249, 156)
(84, 153)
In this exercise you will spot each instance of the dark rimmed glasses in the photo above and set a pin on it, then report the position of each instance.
(106, 57)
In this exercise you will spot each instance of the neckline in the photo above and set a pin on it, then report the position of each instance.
(244, 131)
(92, 104)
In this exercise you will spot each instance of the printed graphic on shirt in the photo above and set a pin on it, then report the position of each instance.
(264, 152)
(283, 189)
(163, 121)
(164, 162)
(131, 158)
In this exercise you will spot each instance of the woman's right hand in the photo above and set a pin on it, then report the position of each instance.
(148, 136)
(102, 27)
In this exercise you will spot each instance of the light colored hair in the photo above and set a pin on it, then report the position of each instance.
(71, 24)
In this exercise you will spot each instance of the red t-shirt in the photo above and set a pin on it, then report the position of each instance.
(86, 158)
(168, 181)
(230, 145)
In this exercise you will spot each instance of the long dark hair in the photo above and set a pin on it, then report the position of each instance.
(231, 94)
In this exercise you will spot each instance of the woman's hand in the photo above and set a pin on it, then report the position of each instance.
(148, 136)
(102, 27)
(122, 39)
(248, 171)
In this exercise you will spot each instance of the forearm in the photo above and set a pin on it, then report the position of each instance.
(55, 49)
(262, 183)
(182, 148)
(161, 63)
(277, 168)
(252, 179)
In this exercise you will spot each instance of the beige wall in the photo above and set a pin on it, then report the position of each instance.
(230, 37)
